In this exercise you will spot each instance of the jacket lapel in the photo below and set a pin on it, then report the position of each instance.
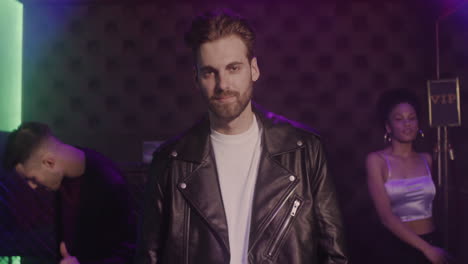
(202, 192)
(273, 188)
(275, 183)
(201, 186)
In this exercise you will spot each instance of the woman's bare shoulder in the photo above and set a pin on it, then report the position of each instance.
(375, 159)
(376, 155)
(427, 157)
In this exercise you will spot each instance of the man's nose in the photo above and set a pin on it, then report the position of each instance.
(222, 82)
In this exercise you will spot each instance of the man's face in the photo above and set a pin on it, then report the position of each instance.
(40, 173)
(225, 76)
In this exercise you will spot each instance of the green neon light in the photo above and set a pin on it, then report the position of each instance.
(10, 260)
(15, 260)
(11, 49)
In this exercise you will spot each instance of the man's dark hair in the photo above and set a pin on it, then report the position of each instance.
(389, 99)
(22, 142)
(214, 25)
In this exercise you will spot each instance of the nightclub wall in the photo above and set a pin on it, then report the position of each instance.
(112, 74)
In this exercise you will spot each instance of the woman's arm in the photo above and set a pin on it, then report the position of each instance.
(428, 159)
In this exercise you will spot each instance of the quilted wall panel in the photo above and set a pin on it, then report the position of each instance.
(116, 73)
(112, 75)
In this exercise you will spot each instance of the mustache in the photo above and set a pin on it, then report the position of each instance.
(225, 93)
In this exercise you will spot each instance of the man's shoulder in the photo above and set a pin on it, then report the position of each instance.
(98, 164)
(283, 135)
(95, 157)
(285, 123)
(280, 125)
(192, 141)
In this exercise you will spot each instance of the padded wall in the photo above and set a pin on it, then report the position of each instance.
(112, 75)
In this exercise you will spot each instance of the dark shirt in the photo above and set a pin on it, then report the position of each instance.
(69, 198)
(95, 218)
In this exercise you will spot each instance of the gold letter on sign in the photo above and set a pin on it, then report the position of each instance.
(444, 98)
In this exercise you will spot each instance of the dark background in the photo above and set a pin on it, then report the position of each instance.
(110, 74)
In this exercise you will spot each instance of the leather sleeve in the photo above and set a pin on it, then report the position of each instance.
(327, 212)
(152, 223)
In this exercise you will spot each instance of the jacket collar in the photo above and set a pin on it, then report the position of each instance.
(278, 136)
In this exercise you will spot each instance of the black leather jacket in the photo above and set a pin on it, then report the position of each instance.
(295, 215)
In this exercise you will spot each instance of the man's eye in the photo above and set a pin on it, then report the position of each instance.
(207, 74)
(234, 68)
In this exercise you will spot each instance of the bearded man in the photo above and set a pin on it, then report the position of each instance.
(241, 186)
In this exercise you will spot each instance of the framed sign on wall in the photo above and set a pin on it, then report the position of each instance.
(444, 102)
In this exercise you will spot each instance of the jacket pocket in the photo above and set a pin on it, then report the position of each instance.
(283, 229)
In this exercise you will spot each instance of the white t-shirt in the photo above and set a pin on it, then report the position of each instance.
(237, 158)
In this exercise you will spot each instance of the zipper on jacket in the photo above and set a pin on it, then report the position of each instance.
(187, 234)
(282, 204)
(273, 216)
(284, 227)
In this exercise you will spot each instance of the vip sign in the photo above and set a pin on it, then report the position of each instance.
(444, 102)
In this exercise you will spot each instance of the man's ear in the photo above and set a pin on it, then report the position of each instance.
(195, 78)
(195, 75)
(19, 168)
(255, 71)
(48, 161)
